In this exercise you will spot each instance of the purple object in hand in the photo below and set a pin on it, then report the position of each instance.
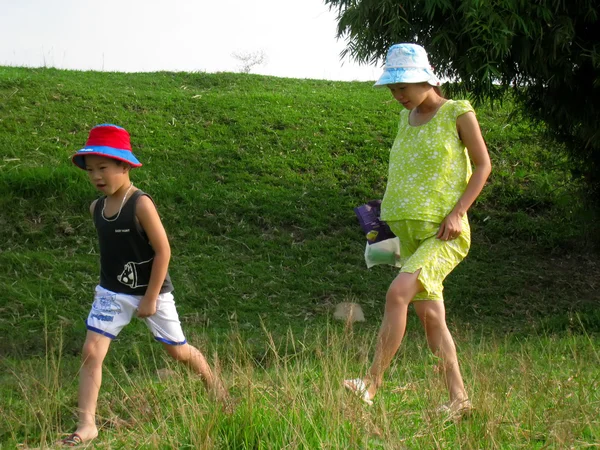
(374, 228)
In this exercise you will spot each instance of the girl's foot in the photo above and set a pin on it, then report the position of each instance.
(359, 388)
(72, 440)
(81, 436)
(456, 409)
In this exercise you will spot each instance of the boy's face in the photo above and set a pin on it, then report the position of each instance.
(410, 95)
(106, 174)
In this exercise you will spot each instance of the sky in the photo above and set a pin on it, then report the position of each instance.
(296, 37)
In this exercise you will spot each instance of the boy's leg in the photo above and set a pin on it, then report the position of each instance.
(195, 360)
(90, 377)
(110, 312)
(433, 317)
(400, 293)
(166, 328)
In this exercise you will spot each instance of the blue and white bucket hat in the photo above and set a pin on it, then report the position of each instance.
(407, 63)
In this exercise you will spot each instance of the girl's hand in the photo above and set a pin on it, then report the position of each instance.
(450, 228)
(146, 308)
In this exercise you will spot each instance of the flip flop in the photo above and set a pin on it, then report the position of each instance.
(72, 440)
(359, 388)
(456, 410)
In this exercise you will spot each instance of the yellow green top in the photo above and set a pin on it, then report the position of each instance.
(429, 167)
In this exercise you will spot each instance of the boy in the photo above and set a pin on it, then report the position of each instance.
(134, 258)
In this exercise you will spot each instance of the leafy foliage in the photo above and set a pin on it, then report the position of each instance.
(548, 49)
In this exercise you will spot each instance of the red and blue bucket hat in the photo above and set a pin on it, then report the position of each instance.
(110, 141)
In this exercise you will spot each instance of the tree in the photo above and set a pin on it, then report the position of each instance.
(250, 59)
(546, 49)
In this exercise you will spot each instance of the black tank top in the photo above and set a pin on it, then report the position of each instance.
(126, 255)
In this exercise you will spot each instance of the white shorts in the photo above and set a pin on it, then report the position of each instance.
(111, 311)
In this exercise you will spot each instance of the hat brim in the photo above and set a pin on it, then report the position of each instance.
(108, 152)
(407, 75)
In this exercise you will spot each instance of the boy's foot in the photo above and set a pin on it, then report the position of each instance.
(219, 393)
(229, 404)
(359, 388)
(456, 409)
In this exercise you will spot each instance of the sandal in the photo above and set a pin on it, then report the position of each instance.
(359, 388)
(72, 440)
(456, 409)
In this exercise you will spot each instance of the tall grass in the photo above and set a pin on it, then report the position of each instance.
(536, 392)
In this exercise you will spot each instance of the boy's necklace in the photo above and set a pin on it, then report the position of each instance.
(120, 207)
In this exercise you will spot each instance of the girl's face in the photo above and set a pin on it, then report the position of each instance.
(106, 174)
(410, 95)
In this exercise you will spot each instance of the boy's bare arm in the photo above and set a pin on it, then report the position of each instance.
(92, 207)
(150, 221)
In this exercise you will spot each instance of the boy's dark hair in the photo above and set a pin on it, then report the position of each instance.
(118, 162)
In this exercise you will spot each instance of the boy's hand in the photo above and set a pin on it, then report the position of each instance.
(146, 308)
(450, 228)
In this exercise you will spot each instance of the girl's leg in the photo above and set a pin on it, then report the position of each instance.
(195, 360)
(400, 293)
(433, 317)
(90, 379)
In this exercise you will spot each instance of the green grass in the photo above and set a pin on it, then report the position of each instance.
(535, 392)
(255, 179)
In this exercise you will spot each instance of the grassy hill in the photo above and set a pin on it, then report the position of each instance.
(255, 178)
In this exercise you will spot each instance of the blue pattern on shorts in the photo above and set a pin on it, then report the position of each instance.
(105, 308)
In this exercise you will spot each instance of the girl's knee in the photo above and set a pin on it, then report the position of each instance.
(403, 289)
(434, 324)
(432, 314)
(432, 321)
(397, 295)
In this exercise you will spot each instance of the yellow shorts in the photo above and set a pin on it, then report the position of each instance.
(420, 249)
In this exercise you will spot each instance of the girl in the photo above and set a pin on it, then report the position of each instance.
(430, 188)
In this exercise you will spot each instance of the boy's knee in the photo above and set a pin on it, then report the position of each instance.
(91, 354)
(179, 352)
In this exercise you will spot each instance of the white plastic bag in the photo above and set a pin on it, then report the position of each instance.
(383, 252)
